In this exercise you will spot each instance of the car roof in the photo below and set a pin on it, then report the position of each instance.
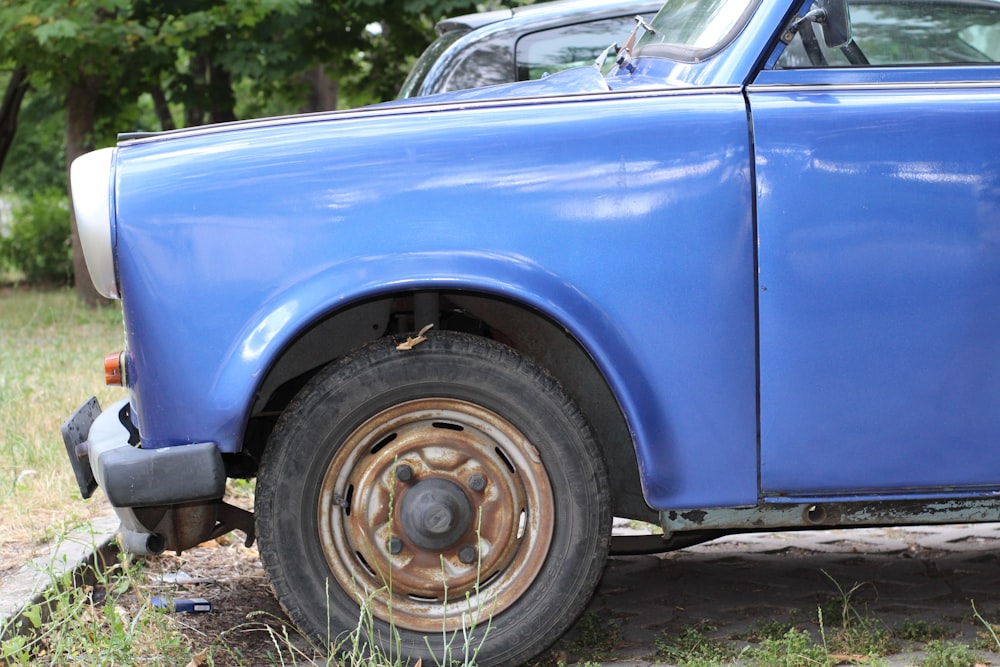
(473, 21)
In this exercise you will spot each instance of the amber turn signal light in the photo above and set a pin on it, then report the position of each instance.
(114, 369)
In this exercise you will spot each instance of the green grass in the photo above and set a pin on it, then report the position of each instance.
(598, 636)
(942, 653)
(919, 630)
(795, 648)
(91, 625)
(848, 626)
(51, 352)
(694, 648)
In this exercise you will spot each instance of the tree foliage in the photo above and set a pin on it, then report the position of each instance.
(169, 63)
(39, 244)
(76, 72)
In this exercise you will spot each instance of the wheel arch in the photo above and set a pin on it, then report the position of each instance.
(521, 324)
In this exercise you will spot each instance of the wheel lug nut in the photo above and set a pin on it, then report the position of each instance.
(395, 545)
(467, 555)
(404, 473)
(477, 483)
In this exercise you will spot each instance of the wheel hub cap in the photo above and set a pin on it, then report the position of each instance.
(435, 513)
(437, 508)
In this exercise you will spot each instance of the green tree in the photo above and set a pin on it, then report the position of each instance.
(73, 48)
(100, 66)
(10, 106)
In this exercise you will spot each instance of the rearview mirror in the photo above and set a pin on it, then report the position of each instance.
(836, 24)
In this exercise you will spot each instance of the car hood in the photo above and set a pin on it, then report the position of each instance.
(576, 81)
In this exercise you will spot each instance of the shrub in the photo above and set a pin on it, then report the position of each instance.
(38, 241)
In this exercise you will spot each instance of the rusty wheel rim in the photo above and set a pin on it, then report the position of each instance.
(436, 514)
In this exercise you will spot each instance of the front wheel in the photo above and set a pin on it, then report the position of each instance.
(453, 491)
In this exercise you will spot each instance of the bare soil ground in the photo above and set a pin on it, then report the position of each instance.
(246, 625)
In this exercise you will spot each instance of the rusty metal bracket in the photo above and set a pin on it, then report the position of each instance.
(234, 518)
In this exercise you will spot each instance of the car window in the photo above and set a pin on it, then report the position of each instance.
(906, 33)
(418, 74)
(553, 50)
(486, 63)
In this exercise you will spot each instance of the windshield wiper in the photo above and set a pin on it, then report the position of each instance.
(601, 59)
(625, 53)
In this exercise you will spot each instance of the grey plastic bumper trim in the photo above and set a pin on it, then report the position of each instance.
(133, 477)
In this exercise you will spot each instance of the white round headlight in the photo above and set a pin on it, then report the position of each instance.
(92, 192)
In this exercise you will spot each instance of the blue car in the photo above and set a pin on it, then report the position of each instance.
(750, 280)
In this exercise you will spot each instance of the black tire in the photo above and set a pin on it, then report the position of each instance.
(457, 459)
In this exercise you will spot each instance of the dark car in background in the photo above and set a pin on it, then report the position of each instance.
(521, 44)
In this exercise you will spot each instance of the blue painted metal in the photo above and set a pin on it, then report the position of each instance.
(279, 225)
(690, 224)
(878, 226)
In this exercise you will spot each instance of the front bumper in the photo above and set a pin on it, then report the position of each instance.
(166, 498)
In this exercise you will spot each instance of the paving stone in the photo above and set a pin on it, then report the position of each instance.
(73, 551)
(928, 573)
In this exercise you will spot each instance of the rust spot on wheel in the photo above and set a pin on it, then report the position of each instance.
(437, 513)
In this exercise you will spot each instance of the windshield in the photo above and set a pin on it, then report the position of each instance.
(692, 29)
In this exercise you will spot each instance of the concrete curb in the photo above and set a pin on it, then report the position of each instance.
(91, 546)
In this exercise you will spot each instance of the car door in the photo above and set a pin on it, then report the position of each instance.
(878, 224)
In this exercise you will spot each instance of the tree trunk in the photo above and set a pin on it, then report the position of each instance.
(162, 108)
(323, 91)
(194, 114)
(10, 108)
(81, 111)
(223, 100)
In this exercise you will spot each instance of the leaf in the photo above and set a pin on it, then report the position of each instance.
(199, 658)
(30, 21)
(56, 29)
(34, 616)
(413, 341)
